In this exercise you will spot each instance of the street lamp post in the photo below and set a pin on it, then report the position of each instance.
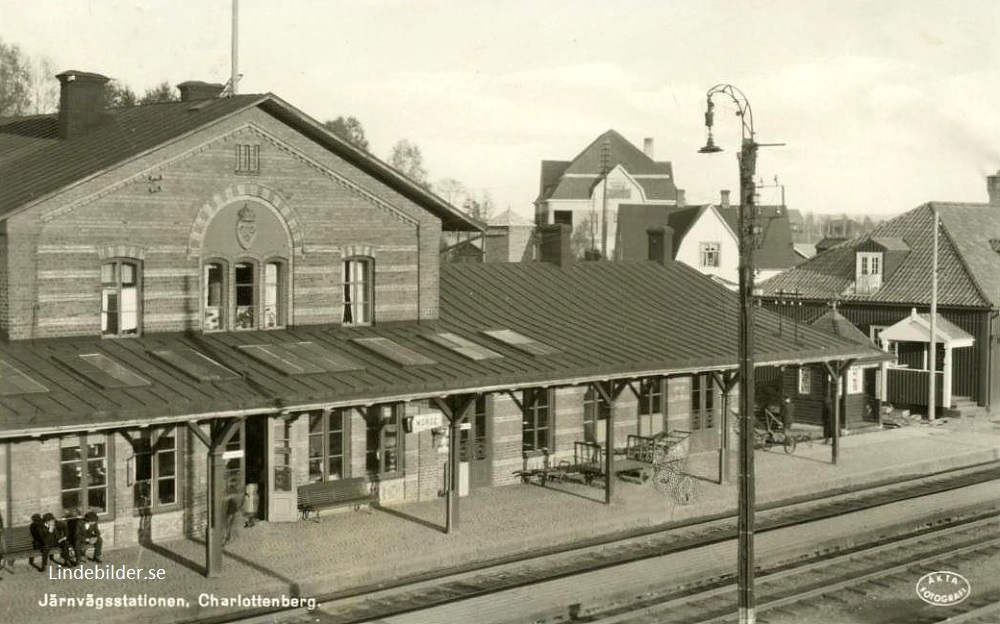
(747, 217)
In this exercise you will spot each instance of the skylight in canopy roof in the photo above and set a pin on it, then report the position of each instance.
(520, 342)
(14, 381)
(394, 351)
(462, 346)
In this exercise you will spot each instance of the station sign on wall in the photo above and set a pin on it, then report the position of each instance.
(424, 422)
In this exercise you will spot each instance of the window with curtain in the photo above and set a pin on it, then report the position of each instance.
(214, 299)
(120, 298)
(273, 290)
(357, 291)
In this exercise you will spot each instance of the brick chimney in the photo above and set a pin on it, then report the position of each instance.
(724, 198)
(554, 245)
(647, 147)
(194, 90)
(993, 188)
(81, 102)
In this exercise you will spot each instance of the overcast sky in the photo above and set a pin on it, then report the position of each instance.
(883, 105)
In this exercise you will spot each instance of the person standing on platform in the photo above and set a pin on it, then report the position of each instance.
(827, 418)
(787, 415)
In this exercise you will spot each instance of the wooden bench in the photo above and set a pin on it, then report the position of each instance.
(20, 545)
(315, 497)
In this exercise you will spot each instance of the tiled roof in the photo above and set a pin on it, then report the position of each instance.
(967, 266)
(508, 218)
(34, 164)
(679, 218)
(775, 250)
(971, 228)
(675, 320)
(835, 323)
(576, 179)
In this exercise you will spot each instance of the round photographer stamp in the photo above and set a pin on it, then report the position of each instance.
(943, 589)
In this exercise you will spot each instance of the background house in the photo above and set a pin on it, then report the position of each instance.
(882, 278)
(572, 192)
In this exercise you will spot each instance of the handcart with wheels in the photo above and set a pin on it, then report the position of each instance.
(769, 430)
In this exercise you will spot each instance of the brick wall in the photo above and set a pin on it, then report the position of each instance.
(162, 204)
(507, 421)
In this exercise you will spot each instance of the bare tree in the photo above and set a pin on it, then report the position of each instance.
(407, 159)
(44, 86)
(15, 81)
(480, 207)
(162, 92)
(451, 190)
(349, 129)
(119, 95)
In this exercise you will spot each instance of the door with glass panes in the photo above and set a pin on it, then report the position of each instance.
(281, 494)
(474, 447)
(704, 414)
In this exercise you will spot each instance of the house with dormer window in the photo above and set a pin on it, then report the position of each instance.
(881, 282)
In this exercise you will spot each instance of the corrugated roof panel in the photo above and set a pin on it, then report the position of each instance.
(195, 364)
(520, 341)
(394, 351)
(14, 381)
(462, 346)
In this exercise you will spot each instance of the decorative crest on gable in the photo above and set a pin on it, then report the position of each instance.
(246, 226)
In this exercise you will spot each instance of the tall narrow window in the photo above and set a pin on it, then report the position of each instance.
(595, 410)
(536, 430)
(357, 291)
(805, 380)
(247, 159)
(155, 470)
(273, 312)
(282, 458)
(383, 446)
(246, 295)
(119, 298)
(84, 473)
(215, 281)
(327, 445)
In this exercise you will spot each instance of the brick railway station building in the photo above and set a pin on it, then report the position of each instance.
(215, 292)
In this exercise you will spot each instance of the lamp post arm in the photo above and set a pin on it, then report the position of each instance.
(745, 113)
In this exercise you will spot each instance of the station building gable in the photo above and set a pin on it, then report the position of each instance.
(168, 220)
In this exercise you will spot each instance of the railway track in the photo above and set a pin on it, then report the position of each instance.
(842, 579)
(484, 579)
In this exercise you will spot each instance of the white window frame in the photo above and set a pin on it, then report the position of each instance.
(362, 312)
(114, 284)
(855, 380)
(805, 380)
(710, 254)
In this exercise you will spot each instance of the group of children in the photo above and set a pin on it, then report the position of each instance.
(72, 536)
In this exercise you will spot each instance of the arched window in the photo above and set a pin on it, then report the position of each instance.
(358, 289)
(215, 295)
(245, 294)
(120, 298)
(274, 289)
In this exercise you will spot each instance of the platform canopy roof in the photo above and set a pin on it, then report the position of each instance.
(502, 326)
(917, 328)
